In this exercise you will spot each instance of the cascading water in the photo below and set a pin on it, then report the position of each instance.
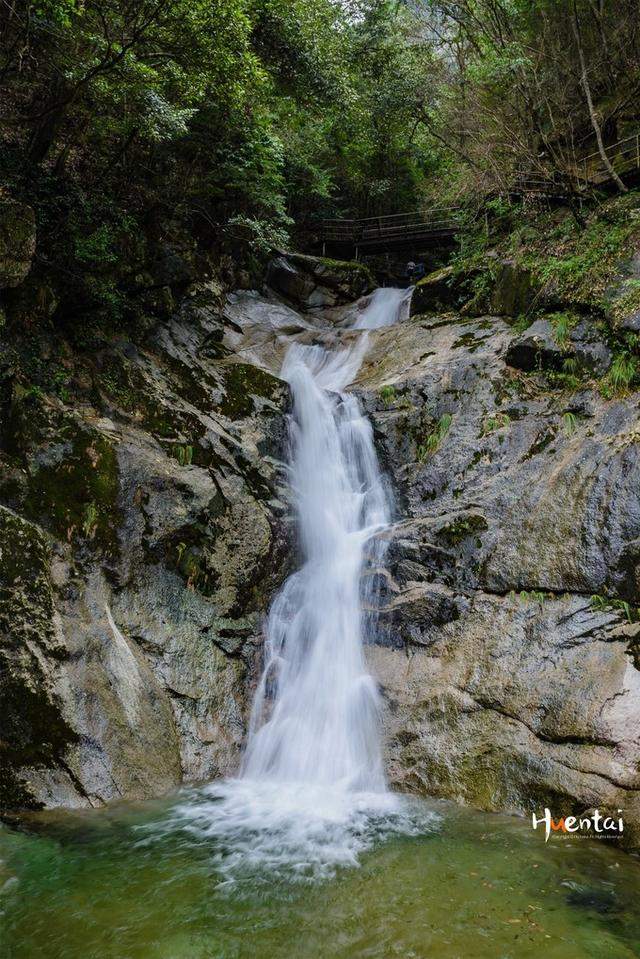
(315, 714)
(387, 305)
(312, 792)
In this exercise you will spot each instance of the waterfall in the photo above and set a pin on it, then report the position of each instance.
(312, 791)
(387, 305)
(315, 715)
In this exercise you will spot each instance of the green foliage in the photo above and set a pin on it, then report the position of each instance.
(387, 395)
(33, 391)
(521, 323)
(628, 302)
(531, 596)
(235, 118)
(622, 374)
(90, 520)
(569, 423)
(463, 527)
(184, 455)
(562, 324)
(578, 263)
(435, 438)
(60, 380)
(508, 97)
(569, 377)
(606, 603)
(492, 423)
(262, 235)
(240, 122)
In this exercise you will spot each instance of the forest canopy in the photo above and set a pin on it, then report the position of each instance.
(256, 117)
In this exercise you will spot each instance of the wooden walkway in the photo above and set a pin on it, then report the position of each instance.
(420, 229)
(624, 156)
(378, 234)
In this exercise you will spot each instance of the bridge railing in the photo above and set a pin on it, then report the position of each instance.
(392, 226)
(395, 228)
(624, 156)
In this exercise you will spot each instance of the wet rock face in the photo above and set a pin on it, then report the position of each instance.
(151, 521)
(508, 666)
(151, 534)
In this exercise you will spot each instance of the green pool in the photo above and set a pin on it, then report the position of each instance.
(133, 882)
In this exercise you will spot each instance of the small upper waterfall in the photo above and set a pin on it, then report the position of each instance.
(312, 781)
(386, 305)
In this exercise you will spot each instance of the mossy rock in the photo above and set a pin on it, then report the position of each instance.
(244, 383)
(312, 282)
(337, 274)
(514, 289)
(444, 289)
(17, 242)
(34, 732)
(73, 488)
(463, 527)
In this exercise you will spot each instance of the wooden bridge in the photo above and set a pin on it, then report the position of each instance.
(377, 234)
(420, 229)
(624, 156)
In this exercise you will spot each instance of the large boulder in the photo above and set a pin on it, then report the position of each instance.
(518, 704)
(17, 242)
(503, 287)
(440, 290)
(514, 290)
(312, 282)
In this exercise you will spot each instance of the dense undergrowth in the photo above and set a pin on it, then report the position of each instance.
(573, 268)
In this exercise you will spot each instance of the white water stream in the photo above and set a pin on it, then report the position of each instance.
(312, 791)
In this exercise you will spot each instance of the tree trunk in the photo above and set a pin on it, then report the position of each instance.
(592, 113)
(52, 115)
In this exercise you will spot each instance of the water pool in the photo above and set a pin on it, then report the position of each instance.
(133, 882)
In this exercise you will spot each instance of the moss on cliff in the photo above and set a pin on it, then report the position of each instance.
(73, 489)
(242, 383)
(34, 732)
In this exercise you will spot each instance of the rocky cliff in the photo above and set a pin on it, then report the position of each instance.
(508, 652)
(141, 535)
(143, 530)
(511, 665)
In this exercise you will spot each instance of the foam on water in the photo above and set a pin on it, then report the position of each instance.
(258, 831)
(312, 792)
